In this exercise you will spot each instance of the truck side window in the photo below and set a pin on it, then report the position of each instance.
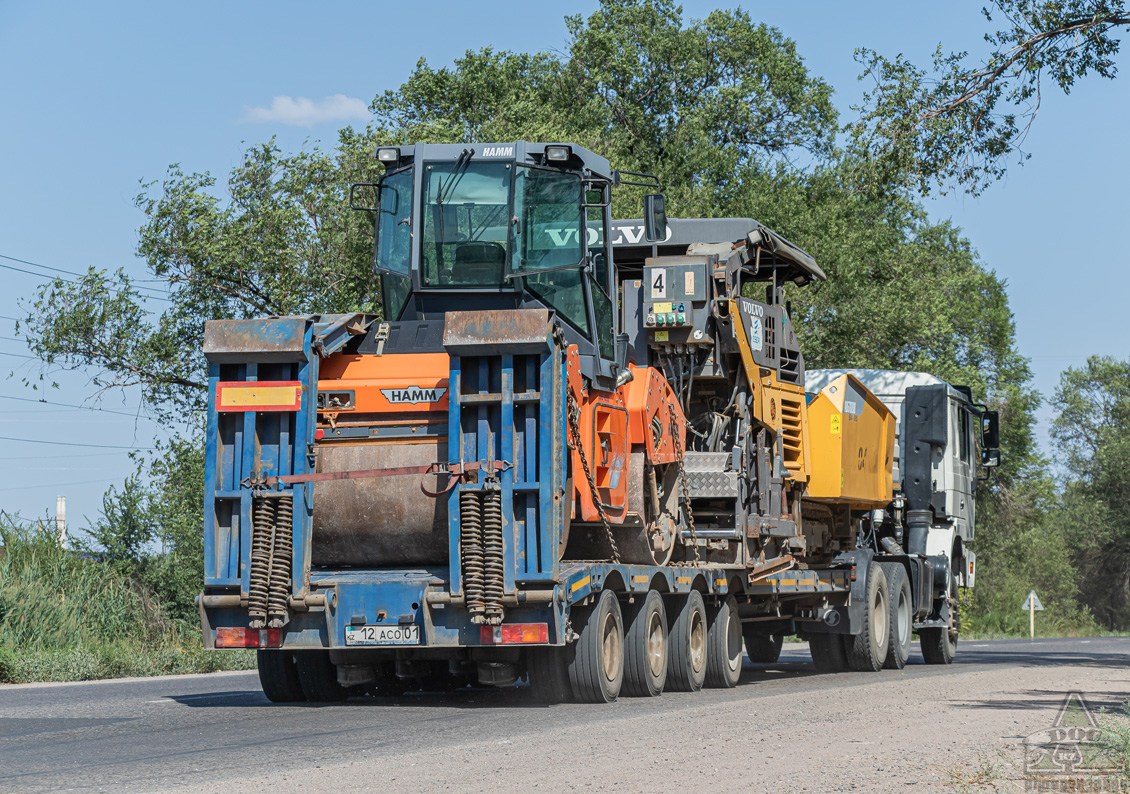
(964, 429)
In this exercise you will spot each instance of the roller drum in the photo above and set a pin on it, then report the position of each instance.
(380, 521)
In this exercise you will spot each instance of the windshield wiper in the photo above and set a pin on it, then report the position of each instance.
(585, 265)
(461, 164)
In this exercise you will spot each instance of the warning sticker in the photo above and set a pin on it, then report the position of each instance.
(835, 429)
(660, 336)
(688, 283)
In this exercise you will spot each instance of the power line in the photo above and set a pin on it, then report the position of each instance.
(60, 484)
(70, 457)
(72, 444)
(60, 270)
(17, 355)
(36, 264)
(72, 405)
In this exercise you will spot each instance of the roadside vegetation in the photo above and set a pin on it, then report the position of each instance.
(726, 113)
(106, 608)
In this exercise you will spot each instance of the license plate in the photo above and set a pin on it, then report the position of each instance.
(382, 635)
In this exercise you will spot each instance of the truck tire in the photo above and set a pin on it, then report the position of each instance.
(596, 669)
(686, 642)
(724, 646)
(867, 651)
(318, 677)
(278, 675)
(828, 654)
(645, 647)
(901, 622)
(549, 675)
(763, 648)
(939, 643)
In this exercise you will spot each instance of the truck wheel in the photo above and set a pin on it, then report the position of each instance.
(278, 675)
(764, 648)
(867, 651)
(686, 660)
(724, 646)
(828, 652)
(900, 623)
(645, 647)
(318, 677)
(549, 675)
(939, 643)
(596, 670)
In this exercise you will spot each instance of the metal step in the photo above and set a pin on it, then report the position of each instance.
(707, 478)
(706, 461)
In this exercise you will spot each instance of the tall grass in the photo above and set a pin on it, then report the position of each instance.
(68, 616)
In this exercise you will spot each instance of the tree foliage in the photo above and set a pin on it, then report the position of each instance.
(1092, 444)
(957, 123)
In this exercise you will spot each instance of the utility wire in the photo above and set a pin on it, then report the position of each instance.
(59, 270)
(72, 405)
(60, 484)
(36, 264)
(73, 444)
(17, 355)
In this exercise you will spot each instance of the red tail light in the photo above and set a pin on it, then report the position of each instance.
(248, 638)
(514, 633)
(237, 638)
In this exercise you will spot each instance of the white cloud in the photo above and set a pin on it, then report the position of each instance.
(303, 112)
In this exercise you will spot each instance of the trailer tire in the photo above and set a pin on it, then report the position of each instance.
(548, 670)
(687, 644)
(901, 622)
(867, 651)
(724, 646)
(828, 654)
(278, 675)
(318, 677)
(645, 647)
(763, 648)
(596, 669)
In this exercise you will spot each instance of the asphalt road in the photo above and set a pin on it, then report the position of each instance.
(218, 733)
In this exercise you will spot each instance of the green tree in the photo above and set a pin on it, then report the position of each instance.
(1092, 443)
(957, 123)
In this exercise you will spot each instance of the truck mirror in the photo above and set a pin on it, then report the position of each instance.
(654, 218)
(990, 458)
(990, 430)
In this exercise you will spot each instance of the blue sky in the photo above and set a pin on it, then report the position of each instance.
(97, 98)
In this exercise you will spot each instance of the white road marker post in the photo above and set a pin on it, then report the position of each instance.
(1033, 605)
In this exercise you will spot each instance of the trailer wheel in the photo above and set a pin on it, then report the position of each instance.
(867, 651)
(596, 669)
(764, 648)
(645, 647)
(687, 643)
(278, 675)
(549, 675)
(901, 619)
(318, 677)
(724, 646)
(828, 652)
